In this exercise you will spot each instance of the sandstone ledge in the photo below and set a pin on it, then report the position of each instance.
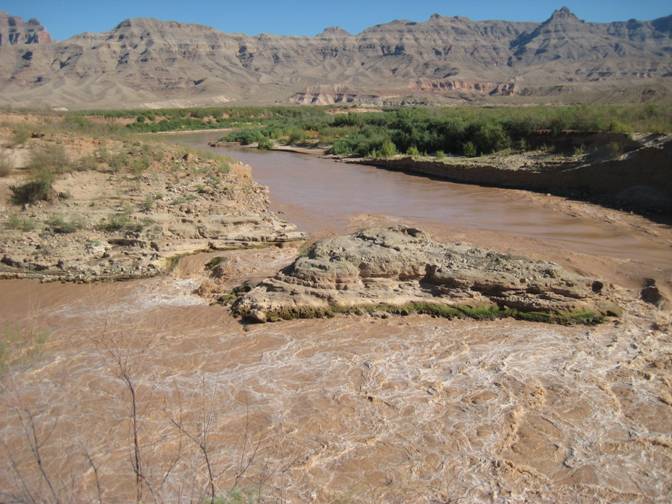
(401, 270)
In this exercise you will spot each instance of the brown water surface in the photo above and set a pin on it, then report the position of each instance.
(323, 195)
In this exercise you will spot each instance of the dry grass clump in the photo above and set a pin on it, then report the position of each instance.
(20, 135)
(50, 157)
(19, 223)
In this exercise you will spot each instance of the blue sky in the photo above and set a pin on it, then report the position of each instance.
(308, 17)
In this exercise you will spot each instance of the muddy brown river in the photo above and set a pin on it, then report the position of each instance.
(399, 409)
(323, 195)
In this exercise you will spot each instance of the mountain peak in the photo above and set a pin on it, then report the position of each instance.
(563, 14)
(334, 31)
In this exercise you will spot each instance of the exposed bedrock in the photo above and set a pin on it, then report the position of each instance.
(402, 270)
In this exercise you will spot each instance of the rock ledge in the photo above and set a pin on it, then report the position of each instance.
(402, 270)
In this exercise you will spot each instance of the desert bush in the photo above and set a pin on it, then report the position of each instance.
(147, 204)
(86, 163)
(51, 158)
(19, 223)
(61, 225)
(116, 162)
(122, 221)
(39, 188)
(139, 164)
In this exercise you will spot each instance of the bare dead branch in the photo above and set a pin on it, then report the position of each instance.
(94, 467)
(18, 475)
(35, 443)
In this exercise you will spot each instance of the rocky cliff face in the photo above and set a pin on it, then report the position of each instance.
(14, 31)
(151, 62)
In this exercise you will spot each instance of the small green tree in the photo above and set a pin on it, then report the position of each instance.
(388, 149)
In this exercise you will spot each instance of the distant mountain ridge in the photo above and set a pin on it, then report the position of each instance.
(147, 62)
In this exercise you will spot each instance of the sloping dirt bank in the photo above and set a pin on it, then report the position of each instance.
(123, 209)
(639, 180)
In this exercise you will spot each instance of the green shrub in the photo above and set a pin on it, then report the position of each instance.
(19, 223)
(614, 149)
(440, 154)
(388, 149)
(265, 144)
(296, 136)
(490, 137)
(413, 151)
(469, 150)
(245, 136)
(61, 225)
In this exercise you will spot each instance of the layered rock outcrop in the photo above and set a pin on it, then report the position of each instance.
(150, 62)
(402, 270)
(14, 31)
